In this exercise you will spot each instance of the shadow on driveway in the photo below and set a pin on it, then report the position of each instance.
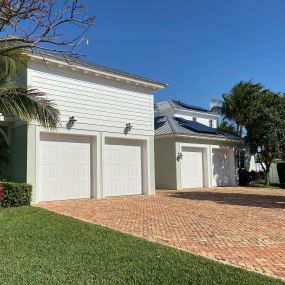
(240, 199)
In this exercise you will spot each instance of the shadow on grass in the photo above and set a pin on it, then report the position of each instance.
(240, 199)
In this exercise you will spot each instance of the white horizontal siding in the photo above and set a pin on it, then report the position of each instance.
(96, 104)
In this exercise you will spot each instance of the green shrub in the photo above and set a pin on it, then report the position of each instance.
(16, 194)
(281, 172)
(1, 194)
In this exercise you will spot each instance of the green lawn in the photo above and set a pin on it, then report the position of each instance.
(40, 247)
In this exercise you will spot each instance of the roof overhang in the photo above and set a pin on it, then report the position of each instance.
(199, 137)
(99, 71)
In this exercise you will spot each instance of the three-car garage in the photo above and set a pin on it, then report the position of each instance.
(80, 166)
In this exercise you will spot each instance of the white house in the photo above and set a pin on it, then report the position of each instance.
(189, 150)
(105, 144)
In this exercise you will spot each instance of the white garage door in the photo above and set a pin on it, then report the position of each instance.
(122, 168)
(64, 167)
(192, 167)
(221, 170)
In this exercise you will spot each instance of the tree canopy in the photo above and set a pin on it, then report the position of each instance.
(265, 127)
(226, 126)
(234, 105)
(261, 113)
(41, 25)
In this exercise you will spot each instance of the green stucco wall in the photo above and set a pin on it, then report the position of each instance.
(165, 163)
(18, 158)
(31, 155)
(178, 167)
(22, 164)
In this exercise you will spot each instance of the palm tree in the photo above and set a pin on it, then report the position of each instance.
(26, 103)
(225, 126)
(22, 102)
(234, 105)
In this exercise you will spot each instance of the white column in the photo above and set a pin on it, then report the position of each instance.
(232, 166)
(210, 169)
(96, 167)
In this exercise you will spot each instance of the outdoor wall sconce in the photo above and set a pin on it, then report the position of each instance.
(128, 128)
(179, 156)
(71, 122)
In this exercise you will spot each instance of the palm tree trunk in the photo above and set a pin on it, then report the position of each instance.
(237, 129)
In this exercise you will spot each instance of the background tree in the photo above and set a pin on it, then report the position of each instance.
(266, 129)
(262, 113)
(234, 105)
(41, 25)
(226, 126)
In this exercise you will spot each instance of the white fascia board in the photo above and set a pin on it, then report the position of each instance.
(198, 137)
(108, 75)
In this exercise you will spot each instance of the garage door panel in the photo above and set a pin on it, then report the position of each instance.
(122, 169)
(221, 169)
(192, 168)
(64, 168)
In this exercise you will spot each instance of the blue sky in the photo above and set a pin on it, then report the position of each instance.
(200, 48)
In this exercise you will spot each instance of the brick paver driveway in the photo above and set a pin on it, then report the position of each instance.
(242, 226)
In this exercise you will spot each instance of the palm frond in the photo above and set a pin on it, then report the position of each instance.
(216, 105)
(29, 104)
(10, 63)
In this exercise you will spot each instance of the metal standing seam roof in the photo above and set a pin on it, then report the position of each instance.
(175, 104)
(182, 105)
(169, 125)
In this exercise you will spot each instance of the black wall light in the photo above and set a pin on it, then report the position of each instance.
(71, 122)
(128, 128)
(179, 156)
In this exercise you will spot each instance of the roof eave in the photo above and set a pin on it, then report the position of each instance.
(106, 73)
(240, 141)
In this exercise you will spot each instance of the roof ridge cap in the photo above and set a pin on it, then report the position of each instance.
(172, 126)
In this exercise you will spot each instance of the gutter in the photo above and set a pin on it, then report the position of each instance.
(198, 137)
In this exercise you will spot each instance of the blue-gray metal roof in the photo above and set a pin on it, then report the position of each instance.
(170, 125)
(178, 105)
(190, 107)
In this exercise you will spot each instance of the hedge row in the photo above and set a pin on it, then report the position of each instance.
(15, 194)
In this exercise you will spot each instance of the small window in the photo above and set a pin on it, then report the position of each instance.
(211, 123)
(194, 119)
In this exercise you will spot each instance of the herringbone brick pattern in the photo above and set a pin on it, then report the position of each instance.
(241, 226)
